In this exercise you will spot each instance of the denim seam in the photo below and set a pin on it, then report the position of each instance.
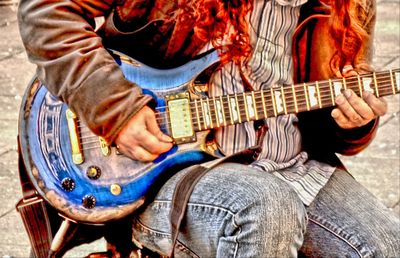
(236, 241)
(337, 235)
(179, 244)
(204, 205)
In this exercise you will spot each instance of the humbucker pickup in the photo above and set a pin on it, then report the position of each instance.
(180, 118)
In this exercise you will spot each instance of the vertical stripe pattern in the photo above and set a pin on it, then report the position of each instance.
(272, 26)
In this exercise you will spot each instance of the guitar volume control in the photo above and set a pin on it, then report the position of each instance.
(68, 184)
(89, 201)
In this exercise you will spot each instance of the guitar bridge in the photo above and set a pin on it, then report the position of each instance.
(180, 118)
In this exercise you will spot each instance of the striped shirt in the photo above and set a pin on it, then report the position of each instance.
(272, 26)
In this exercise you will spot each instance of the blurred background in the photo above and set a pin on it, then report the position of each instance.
(377, 167)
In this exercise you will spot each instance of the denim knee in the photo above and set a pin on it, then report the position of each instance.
(267, 211)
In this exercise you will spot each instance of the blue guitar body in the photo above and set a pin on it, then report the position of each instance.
(104, 185)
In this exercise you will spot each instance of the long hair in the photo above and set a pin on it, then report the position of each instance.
(225, 23)
(350, 20)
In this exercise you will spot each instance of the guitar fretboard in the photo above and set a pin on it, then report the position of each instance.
(213, 112)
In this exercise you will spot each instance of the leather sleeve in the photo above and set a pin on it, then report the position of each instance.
(71, 61)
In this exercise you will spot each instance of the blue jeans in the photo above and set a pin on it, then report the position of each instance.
(237, 211)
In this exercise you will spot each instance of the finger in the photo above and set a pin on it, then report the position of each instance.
(340, 118)
(348, 71)
(153, 128)
(151, 143)
(378, 105)
(139, 153)
(359, 105)
(344, 106)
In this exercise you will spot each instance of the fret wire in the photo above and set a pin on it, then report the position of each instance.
(254, 104)
(209, 112)
(223, 110)
(331, 92)
(230, 110)
(295, 99)
(344, 83)
(273, 101)
(246, 110)
(197, 114)
(392, 81)
(216, 113)
(203, 114)
(360, 87)
(376, 85)
(318, 94)
(306, 95)
(284, 100)
(237, 108)
(263, 104)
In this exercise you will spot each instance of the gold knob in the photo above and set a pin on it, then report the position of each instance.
(115, 189)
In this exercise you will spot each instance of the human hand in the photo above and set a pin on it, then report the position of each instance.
(141, 138)
(353, 111)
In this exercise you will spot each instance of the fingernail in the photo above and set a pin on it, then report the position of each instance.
(334, 113)
(167, 138)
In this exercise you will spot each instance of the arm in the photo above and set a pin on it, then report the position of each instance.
(71, 61)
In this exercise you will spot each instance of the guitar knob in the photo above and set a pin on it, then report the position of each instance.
(93, 172)
(68, 184)
(88, 201)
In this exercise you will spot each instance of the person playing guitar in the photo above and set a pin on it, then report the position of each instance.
(292, 197)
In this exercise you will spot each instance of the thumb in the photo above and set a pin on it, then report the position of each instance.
(154, 129)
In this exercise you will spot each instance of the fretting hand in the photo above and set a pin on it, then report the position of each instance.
(141, 138)
(353, 111)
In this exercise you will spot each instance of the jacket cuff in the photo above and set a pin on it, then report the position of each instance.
(357, 139)
(106, 102)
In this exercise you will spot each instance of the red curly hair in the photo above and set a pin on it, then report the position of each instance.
(225, 24)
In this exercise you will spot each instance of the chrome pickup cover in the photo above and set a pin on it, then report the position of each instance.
(180, 118)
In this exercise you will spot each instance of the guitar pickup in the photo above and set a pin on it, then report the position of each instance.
(77, 155)
(180, 118)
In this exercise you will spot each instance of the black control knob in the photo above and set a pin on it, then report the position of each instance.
(68, 184)
(88, 201)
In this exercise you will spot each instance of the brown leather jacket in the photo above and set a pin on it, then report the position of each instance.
(60, 38)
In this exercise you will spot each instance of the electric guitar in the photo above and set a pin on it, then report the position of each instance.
(88, 181)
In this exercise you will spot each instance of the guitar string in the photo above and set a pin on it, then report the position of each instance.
(324, 92)
(324, 100)
(323, 88)
(285, 90)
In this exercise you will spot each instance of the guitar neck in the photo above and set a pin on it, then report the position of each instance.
(214, 112)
